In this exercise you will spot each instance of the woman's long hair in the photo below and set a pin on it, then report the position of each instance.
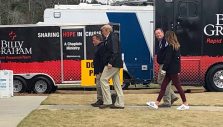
(171, 38)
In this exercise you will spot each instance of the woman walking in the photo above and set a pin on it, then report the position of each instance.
(171, 70)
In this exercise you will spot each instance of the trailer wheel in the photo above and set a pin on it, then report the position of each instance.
(214, 79)
(41, 85)
(19, 84)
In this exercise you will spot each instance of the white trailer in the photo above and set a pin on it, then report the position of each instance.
(197, 23)
(136, 32)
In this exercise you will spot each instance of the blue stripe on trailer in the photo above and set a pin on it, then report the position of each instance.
(137, 53)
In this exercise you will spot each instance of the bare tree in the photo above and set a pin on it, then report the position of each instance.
(0, 12)
(4, 10)
(27, 11)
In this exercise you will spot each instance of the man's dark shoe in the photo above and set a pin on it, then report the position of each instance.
(164, 105)
(97, 104)
(113, 97)
(104, 106)
(116, 107)
(173, 100)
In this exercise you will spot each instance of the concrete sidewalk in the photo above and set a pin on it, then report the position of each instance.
(14, 109)
(78, 107)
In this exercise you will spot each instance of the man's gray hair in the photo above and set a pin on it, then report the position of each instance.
(107, 27)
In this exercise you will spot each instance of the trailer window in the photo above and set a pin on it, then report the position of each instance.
(188, 9)
(57, 14)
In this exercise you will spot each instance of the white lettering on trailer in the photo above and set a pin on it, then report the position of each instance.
(11, 44)
(73, 48)
(219, 17)
(79, 34)
(211, 30)
(91, 33)
(14, 47)
(16, 51)
(48, 34)
(69, 56)
(72, 45)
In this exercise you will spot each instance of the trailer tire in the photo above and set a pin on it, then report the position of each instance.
(214, 79)
(19, 84)
(41, 85)
(54, 88)
(205, 87)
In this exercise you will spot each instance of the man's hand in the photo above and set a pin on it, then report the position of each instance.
(162, 72)
(109, 66)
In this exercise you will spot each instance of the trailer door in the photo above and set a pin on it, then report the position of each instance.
(188, 26)
(73, 51)
(185, 18)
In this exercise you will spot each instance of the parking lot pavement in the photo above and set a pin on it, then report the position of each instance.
(14, 109)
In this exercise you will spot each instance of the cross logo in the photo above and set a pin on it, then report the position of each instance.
(12, 35)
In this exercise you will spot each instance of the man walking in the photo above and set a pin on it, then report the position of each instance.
(169, 96)
(98, 66)
(113, 63)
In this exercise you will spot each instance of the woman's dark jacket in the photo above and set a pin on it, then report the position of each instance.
(172, 64)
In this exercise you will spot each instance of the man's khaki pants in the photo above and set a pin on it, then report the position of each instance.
(169, 93)
(98, 87)
(106, 75)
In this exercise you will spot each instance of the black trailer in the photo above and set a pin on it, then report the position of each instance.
(199, 27)
(44, 56)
